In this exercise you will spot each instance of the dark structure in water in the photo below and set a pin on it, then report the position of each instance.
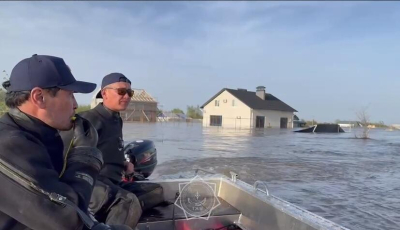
(322, 128)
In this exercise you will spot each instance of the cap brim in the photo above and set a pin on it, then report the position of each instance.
(80, 87)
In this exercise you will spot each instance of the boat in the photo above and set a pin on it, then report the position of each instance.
(211, 201)
(240, 206)
(322, 128)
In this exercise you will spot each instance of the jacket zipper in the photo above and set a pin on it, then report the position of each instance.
(26, 181)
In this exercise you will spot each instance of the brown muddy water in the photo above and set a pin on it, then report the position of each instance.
(353, 182)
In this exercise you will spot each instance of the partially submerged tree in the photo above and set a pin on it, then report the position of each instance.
(3, 107)
(194, 112)
(311, 123)
(2, 95)
(177, 111)
(82, 108)
(364, 120)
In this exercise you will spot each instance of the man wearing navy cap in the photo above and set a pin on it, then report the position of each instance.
(39, 188)
(116, 93)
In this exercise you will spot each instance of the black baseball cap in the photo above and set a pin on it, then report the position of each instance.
(112, 78)
(45, 72)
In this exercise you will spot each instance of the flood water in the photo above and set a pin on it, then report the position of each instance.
(353, 182)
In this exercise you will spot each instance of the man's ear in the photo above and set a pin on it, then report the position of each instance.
(103, 94)
(37, 97)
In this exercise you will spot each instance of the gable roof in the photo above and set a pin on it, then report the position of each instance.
(254, 102)
(142, 95)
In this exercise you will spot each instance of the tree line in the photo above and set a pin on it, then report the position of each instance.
(193, 112)
(3, 107)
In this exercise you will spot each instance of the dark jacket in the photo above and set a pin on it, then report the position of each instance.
(31, 159)
(109, 127)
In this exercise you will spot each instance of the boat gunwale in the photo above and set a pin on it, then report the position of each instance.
(286, 207)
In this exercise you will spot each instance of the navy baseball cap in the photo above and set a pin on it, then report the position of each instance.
(45, 72)
(112, 78)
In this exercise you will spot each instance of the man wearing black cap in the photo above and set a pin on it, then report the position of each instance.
(109, 203)
(116, 93)
(40, 189)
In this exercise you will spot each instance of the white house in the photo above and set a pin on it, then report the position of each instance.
(245, 109)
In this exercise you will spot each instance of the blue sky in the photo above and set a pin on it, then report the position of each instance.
(325, 59)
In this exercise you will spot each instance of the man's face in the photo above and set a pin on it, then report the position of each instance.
(112, 98)
(60, 109)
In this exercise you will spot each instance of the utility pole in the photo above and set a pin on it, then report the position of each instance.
(6, 77)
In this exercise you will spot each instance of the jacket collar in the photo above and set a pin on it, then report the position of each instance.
(33, 125)
(106, 112)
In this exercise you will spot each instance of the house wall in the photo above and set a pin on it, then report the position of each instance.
(273, 118)
(134, 112)
(238, 116)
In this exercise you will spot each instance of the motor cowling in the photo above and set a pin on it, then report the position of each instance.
(143, 155)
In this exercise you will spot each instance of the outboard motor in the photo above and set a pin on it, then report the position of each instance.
(143, 155)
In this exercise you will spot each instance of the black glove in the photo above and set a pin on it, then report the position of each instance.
(85, 135)
(101, 226)
(84, 160)
(80, 144)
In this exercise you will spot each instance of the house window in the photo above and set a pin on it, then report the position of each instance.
(215, 120)
(216, 102)
(233, 103)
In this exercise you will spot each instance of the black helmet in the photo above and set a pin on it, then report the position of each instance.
(143, 155)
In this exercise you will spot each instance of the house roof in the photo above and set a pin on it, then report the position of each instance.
(253, 101)
(142, 95)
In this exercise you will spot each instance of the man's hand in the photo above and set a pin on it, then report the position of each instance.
(129, 168)
(85, 135)
(81, 141)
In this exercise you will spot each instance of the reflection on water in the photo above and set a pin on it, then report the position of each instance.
(353, 182)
